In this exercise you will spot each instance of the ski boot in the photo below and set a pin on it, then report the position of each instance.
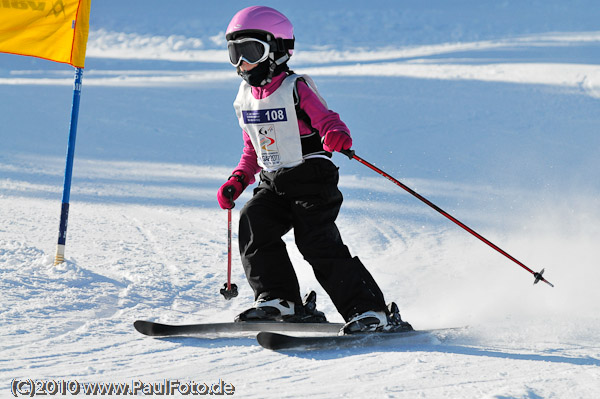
(308, 313)
(395, 322)
(284, 310)
(376, 321)
(268, 310)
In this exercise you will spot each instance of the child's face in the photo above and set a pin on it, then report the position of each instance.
(247, 67)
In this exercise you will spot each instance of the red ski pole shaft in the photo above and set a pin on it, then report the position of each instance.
(538, 276)
(229, 290)
(229, 249)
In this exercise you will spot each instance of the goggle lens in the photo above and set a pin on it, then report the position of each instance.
(250, 50)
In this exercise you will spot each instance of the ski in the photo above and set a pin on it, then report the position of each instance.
(276, 341)
(154, 329)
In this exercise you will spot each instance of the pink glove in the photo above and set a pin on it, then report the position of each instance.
(337, 141)
(231, 190)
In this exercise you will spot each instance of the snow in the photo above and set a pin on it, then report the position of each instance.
(489, 110)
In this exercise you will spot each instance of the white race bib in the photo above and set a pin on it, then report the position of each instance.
(271, 124)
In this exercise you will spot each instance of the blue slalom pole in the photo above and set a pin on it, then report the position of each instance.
(64, 212)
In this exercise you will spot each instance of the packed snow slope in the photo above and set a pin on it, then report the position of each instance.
(489, 109)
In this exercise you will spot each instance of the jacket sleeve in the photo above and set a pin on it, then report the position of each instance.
(248, 164)
(321, 118)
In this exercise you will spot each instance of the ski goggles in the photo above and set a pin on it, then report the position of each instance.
(248, 49)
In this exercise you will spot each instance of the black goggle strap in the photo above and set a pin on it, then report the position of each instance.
(281, 45)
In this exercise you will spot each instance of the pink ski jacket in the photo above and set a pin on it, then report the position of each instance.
(322, 119)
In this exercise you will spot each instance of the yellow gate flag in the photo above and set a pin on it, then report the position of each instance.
(55, 30)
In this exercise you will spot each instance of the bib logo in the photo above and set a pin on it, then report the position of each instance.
(268, 144)
(267, 138)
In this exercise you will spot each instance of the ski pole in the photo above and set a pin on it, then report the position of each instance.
(229, 290)
(538, 276)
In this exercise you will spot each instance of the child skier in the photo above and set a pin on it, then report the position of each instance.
(289, 136)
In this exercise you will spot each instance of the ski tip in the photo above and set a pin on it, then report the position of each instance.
(268, 340)
(148, 327)
(139, 326)
(143, 327)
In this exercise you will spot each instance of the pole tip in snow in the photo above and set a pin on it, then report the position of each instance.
(538, 277)
(60, 255)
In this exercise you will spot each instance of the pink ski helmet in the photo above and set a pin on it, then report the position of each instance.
(262, 20)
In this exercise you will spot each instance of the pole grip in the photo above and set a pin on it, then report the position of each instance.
(349, 153)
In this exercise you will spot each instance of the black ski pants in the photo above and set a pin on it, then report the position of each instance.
(305, 198)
